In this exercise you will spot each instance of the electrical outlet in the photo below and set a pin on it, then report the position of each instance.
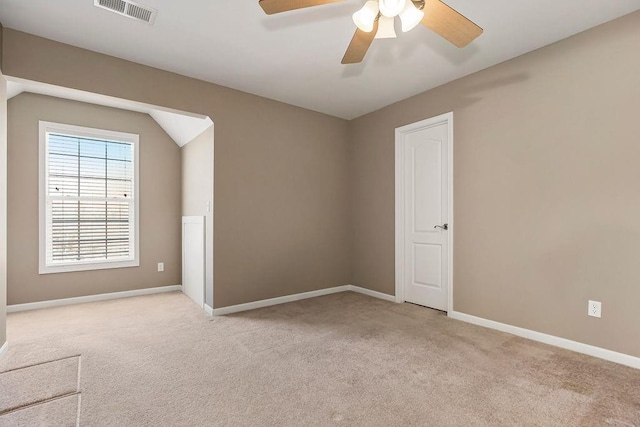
(161, 266)
(594, 309)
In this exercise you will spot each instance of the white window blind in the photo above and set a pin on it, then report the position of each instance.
(90, 198)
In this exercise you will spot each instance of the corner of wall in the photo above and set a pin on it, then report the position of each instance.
(1, 39)
(197, 193)
(3, 208)
(350, 206)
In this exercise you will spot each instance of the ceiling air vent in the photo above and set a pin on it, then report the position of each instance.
(130, 9)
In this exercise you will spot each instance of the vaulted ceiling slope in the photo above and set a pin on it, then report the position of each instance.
(182, 127)
(295, 57)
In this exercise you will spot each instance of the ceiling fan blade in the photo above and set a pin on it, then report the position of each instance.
(449, 24)
(359, 45)
(276, 6)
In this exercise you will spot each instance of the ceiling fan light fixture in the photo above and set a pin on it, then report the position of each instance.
(410, 16)
(386, 28)
(365, 17)
(392, 8)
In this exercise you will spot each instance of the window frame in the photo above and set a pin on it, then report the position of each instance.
(43, 168)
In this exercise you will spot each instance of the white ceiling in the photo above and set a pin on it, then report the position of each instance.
(181, 126)
(295, 57)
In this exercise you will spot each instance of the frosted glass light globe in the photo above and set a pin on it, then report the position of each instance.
(365, 17)
(392, 8)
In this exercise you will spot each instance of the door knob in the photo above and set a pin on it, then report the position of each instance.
(444, 227)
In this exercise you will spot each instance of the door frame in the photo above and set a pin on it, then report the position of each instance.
(400, 201)
(197, 220)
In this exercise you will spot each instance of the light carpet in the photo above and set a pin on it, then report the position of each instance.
(342, 359)
(32, 384)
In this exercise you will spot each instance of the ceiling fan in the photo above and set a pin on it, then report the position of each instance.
(376, 20)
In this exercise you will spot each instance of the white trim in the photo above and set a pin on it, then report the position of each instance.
(208, 309)
(90, 298)
(399, 201)
(612, 356)
(197, 220)
(134, 261)
(278, 300)
(296, 297)
(4, 347)
(602, 353)
(399, 212)
(369, 292)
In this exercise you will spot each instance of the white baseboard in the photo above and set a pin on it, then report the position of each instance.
(279, 300)
(90, 298)
(208, 309)
(602, 353)
(612, 356)
(296, 297)
(371, 293)
(4, 347)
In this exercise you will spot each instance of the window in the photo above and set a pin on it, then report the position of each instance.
(88, 199)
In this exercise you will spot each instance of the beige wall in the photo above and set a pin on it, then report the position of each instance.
(197, 192)
(547, 188)
(546, 181)
(281, 222)
(3, 206)
(160, 195)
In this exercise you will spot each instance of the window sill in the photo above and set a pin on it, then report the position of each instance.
(68, 268)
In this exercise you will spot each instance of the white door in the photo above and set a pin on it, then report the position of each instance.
(193, 258)
(424, 150)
